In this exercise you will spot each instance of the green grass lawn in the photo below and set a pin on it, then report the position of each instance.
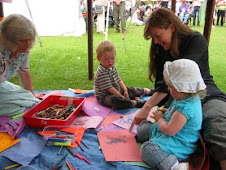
(62, 62)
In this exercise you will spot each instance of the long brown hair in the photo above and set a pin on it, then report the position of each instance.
(162, 18)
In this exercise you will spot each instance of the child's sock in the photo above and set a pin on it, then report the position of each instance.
(134, 103)
(140, 103)
(175, 165)
(148, 91)
(180, 166)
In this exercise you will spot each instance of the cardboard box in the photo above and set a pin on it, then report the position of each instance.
(36, 122)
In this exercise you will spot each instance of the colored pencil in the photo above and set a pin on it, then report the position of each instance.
(69, 166)
(12, 166)
(84, 143)
(60, 160)
(59, 150)
(79, 145)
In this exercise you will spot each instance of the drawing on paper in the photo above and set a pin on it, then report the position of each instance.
(126, 120)
(115, 140)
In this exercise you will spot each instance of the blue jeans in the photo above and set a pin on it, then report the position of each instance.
(151, 153)
(184, 18)
(214, 128)
(196, 15)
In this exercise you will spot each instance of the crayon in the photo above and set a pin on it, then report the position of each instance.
(84, 143)
(16, 116)
(59, 143)
(79, 145)
(59, 150)
(78, 155)
(59, 140)
(69, 166)
(82, 158)
(63, 133)
(59, 136)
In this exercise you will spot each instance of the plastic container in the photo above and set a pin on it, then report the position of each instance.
(36, 122)
(55, 135)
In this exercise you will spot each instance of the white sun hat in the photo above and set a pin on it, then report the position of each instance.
(184, 75)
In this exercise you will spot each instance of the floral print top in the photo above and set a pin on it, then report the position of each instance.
(10, 66)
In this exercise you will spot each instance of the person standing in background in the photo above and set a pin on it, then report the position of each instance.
(221, 6)
(183, 12)
(197, 4)
(101, 16)
(119, 9)
(84, 12)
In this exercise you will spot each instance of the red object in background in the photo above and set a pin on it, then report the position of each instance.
(36, 122)
(84, 14)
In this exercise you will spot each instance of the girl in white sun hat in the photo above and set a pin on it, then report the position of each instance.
(174, 134)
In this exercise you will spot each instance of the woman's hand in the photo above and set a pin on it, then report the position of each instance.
(144, 112)
(39, 95)
(141, 115)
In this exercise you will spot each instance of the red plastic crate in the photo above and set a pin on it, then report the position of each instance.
(36, 122)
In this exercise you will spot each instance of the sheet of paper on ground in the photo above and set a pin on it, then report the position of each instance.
(119, 145)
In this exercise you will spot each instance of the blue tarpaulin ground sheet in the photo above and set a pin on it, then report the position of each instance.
(49, 156)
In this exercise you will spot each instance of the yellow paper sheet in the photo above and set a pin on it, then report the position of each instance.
(6, 141)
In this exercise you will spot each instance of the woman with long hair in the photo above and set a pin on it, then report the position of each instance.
(172, 40)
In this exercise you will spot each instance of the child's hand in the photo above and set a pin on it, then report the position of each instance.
(126, 94)
(157, 115)
(163, 110)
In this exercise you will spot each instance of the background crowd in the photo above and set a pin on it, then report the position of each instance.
(189, 12)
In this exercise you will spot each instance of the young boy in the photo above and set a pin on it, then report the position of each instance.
(110, 90)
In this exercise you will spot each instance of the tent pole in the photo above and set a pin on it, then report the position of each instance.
(106, 30)
(1, 11)
(209, 19)
(173, 6)
(90, 40)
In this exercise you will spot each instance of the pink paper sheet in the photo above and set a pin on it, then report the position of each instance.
(113, 116)
(108, 120)
(8, 1)
(110, 127)
(119, 145)
(87, 121)
(92, 108)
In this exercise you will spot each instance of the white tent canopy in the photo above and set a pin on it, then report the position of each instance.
(51, 17)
